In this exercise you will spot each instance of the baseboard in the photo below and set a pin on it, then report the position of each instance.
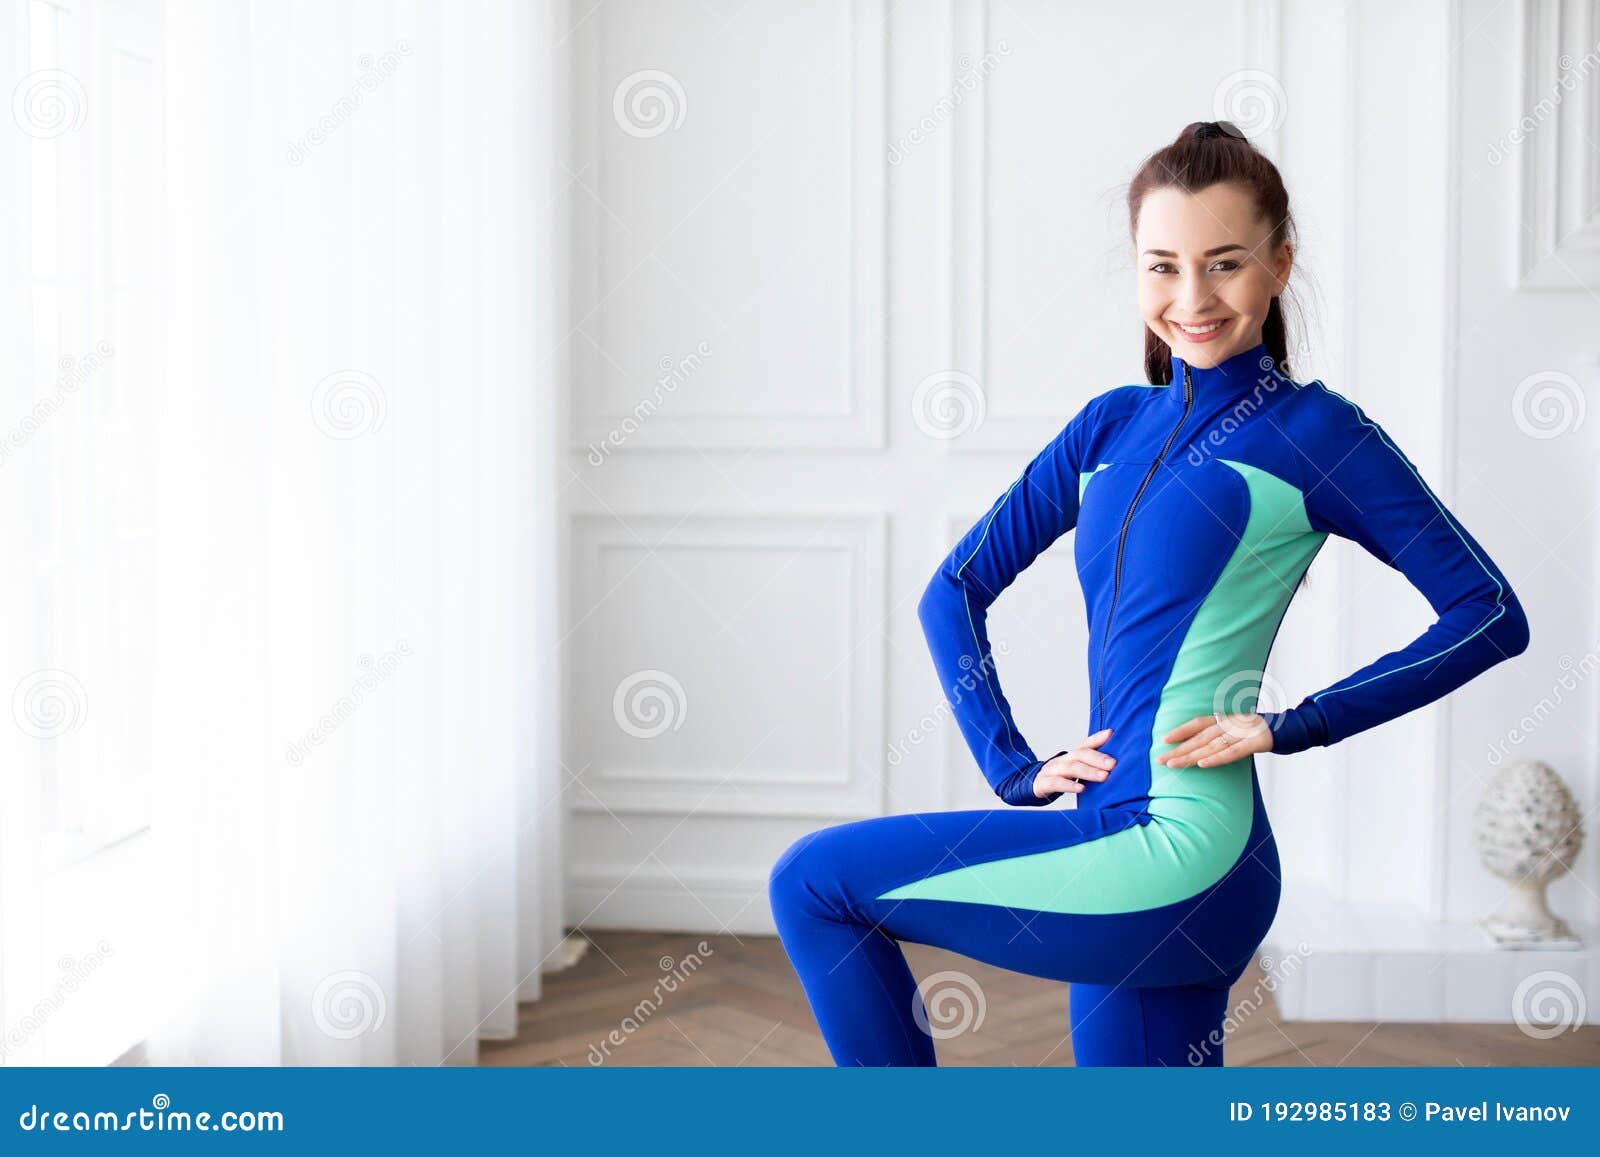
(1322, 960)
(661, 901)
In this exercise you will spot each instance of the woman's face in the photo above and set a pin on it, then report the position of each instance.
(1207, 271)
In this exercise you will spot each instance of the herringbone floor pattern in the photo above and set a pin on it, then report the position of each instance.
(742, 1005)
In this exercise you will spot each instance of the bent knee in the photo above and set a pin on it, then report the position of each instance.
(787, 879)
(796, 881)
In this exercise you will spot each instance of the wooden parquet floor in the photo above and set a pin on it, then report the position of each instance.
(741, 1004)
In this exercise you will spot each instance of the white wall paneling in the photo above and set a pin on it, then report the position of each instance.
(732, 169)
(1441, 343)
(1040, 295)
(727, 665)
(967, 162)
(1550, 138)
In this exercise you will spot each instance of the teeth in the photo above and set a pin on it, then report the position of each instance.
(1197, 329)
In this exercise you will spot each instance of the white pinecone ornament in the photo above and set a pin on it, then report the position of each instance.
(1528, 830)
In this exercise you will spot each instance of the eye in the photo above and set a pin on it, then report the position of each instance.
(1163, 267)
(1226, 265)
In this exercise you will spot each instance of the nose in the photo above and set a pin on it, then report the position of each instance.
(1193, 294)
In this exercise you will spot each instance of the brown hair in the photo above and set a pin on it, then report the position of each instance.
(1208, 153)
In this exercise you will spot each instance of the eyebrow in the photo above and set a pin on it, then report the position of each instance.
(1207, 253)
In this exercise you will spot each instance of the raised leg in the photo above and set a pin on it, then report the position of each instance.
(1152, 983)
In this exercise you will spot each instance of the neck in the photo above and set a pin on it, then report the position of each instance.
(1231, 378)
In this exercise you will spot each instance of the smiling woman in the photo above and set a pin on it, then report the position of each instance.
(1198, 502)
(1216, 244)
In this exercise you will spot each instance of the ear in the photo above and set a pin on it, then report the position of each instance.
(1283, 264)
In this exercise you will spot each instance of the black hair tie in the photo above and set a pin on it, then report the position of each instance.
(1210, 130)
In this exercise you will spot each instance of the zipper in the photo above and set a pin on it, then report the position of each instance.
(1122, 538)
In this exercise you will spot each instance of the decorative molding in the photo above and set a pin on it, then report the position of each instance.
(1337, 760)
(861, 423)
(1558, 177)
(1260, 46)
(968, 229)
(1438, 836)
(852, 790)
(726, 799)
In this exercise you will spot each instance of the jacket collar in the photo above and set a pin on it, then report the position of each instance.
(1232, 378)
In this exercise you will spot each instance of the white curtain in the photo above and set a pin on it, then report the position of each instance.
(354, 786)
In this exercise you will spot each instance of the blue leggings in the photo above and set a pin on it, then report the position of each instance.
(1148, 986)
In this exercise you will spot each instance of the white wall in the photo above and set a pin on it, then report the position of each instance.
(1525, 333)
(764, 534)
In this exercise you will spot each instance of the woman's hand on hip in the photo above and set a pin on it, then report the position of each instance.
(1065, 772)
(1212, 740)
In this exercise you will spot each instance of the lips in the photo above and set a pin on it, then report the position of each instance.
(1200, 332)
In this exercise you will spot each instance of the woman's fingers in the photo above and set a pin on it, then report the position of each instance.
(1073, 765)
(1233, 748)
(1048, 781)
(1065, 772)
(1190, 755)
(1196, 734)
(1185, 730)
(1206, 752)
(1229, 738)
(1046, 784)
(1205, 740)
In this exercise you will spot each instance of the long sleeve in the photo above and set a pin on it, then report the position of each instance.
(1038, 508)
(1359, 485)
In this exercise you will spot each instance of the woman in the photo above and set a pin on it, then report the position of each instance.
(1198, 503)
